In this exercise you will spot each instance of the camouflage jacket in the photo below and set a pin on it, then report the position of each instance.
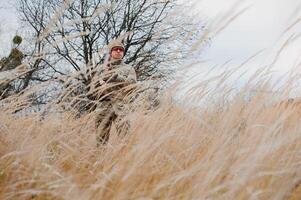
(119, 72)
(114, 82)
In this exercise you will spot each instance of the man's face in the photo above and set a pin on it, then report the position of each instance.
(117, 53)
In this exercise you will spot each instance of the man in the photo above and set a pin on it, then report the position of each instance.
(115, 78)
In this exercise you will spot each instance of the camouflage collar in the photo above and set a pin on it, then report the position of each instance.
(116, 62)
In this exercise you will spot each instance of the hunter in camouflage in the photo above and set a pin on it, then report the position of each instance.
(115, 77)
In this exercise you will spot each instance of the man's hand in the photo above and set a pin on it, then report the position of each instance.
(101, 82)
(112, 77)
(107, 76)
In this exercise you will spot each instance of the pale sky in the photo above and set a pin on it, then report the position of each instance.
(260, 27)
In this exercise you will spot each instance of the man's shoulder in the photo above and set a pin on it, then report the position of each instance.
(127, 66)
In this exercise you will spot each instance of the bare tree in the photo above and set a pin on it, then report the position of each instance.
(70, 33)
(65, 37)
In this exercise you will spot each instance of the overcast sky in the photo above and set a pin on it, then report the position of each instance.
(260, 27)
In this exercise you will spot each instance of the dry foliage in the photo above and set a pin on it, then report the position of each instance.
(226, 148)
(243, 150)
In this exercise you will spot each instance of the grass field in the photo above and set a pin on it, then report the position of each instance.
(207, 143)
(244, 149)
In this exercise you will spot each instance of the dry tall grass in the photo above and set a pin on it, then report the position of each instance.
(229, 148)
(242, 150)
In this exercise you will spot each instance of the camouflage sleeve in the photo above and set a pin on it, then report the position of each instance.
(132, 77)
(127, 75)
